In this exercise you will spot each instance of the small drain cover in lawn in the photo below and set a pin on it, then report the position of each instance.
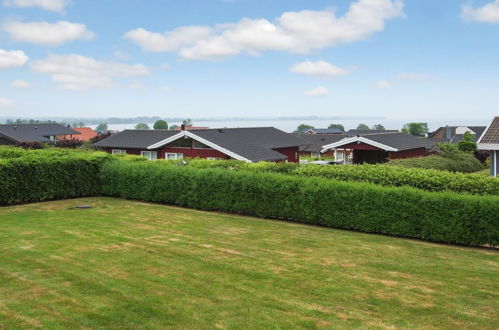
(83, 207)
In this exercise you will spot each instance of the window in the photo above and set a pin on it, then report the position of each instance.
(185, 143)
(173, 156)
(214, 158)
(151, 155)
(118, 152)
(199, 145)
(339, 156)
(315, 155)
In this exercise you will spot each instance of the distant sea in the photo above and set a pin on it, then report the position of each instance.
(290, 125)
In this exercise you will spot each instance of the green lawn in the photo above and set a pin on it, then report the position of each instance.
(126, 264)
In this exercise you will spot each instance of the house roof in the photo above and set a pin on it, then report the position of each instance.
(34, 132)
(456, 136)
(191, 128)
(352, 132)
(135, 139)
(315, 142)
(386, 141)
(250, 144)
(322, 131)
(489, 140)
(86, 133)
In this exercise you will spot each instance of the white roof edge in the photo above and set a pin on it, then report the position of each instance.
(488, 146)
(357, 139)
(201, 140)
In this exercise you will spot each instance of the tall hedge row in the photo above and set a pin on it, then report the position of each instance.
(440, 217)
(45, 176)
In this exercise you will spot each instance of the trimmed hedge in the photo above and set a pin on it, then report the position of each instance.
(426, 179)
(431, 180)
(440, 217)
(454, 162)
(45, 176)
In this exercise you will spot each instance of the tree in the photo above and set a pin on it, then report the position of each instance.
(102, 127)
(173, 127)
(363, 126)
(337, 126)
(467, 144)
(303, 127)
(160, 124)
(142, 126)
(378, 127)
(187, 122)
(415, 129)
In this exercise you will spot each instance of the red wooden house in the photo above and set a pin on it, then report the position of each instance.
(246, 144)
(380, 147)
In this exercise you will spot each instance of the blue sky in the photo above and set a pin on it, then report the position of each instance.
(411, 59)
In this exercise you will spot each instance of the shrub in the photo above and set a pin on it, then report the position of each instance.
(441, 217)
(454, 162)
(426, 179)
(68, 143)
(30, 145)
(40, 176)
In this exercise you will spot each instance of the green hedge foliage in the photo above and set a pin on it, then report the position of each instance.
(426, 179)
(400, 211)
(40, 176)
(453, 162)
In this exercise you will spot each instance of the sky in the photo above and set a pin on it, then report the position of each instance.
(410, 59)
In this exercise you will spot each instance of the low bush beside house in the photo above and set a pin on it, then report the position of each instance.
(44, 176)
(453, 162)
(401, 211)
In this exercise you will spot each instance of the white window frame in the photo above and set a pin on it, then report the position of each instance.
(177, 155)
(150, 155)
(339, 159)
(118, 152)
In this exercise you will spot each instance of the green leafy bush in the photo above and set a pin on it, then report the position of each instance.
(426, 179)
(39, 176)
(453, 162)
(401, 211)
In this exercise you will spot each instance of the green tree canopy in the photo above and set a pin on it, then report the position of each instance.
(142, 126)
(363, 126)
(160, 124)
(187, 122)
(101, 127)
(379, 127)
(304, 127)
(173, 127)
(467, 144)
(415, 129)
(337, 126)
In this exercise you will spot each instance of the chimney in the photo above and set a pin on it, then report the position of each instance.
(448, 132)
(15, 127)
(36, 126)
(182, 127)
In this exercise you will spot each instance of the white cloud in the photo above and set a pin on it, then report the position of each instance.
(295, 32)
(12, 58)
(318, 68)
(317, 91)
(411, 76)
(165, 88)
(76, 72)
(47, 34)
(5, 103)
(20, 84)
(50, 5)
(168, 41)
(489, 13)
(382, 84)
